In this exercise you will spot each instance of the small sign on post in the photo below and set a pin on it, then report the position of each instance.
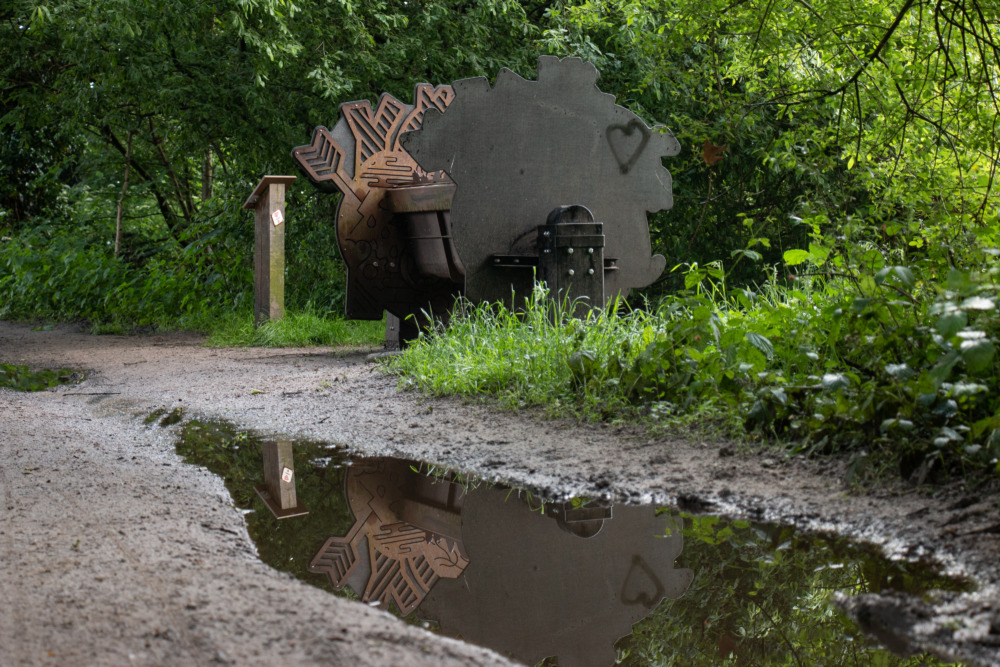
(278, 489)
(268, 204)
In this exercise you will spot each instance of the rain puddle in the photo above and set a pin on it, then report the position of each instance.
(23, 378)
(573, 582)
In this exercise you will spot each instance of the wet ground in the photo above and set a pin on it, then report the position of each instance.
(744, 519)
(583, 582)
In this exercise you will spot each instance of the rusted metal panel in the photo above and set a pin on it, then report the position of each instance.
(363, 159)
(448, 195)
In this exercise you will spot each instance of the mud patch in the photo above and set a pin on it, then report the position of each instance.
(660, 586)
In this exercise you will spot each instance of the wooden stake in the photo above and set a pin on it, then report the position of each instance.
(268, 203)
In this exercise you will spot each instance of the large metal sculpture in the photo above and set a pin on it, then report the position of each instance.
(379, 181)
(482, 190)
(521, 149)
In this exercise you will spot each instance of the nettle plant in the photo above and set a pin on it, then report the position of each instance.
(883, 360)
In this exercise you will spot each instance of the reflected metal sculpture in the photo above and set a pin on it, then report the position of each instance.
(533, 591)
(454, 193)
(406, 536)
(490, 569)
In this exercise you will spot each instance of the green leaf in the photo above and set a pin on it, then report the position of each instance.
(950, 324)
(834, 381)
(761, 343)
(889, 425)
(896, 274)
(582, 363)
(795, 256)
(942, 369)
(977, 354)
(978, 303)
(818, 253)
(899, 371)
(692, 278)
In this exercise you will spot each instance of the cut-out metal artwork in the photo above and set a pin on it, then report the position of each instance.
(448, 195)
(399, 545)
(488, 568)
(521, 148)
(363, 159)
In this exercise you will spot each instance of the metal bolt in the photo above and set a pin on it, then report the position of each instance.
(496, 260)
(392, 265)
(546, 233)
(375, 263)
(590, 250)
(571, 272)
(517, 261)
(546, 251)
(569, 251)
(590, 272)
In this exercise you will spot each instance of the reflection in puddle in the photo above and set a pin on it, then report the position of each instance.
(499, 568)
(488, 568)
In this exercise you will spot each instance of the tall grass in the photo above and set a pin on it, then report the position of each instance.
(911, 382)
(520, 357)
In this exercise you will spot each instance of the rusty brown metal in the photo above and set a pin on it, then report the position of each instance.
(362, 157)
(448, 196)
(406, 535)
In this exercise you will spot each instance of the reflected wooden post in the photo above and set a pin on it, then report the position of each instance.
(268, 204)
(278, 489)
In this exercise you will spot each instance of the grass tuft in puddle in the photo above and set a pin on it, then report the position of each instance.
(165, 417)
(22, 378)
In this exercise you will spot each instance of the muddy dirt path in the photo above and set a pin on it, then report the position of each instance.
(113, 551)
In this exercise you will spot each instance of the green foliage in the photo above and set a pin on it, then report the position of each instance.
(851, 362)
(866, 115)
(55, 273)
(297, 329)
(543, 357)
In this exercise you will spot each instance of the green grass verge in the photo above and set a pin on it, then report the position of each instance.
(906, 382)
(296, 329)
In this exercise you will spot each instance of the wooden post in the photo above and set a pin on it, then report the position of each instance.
(278, 489)
(268, 203)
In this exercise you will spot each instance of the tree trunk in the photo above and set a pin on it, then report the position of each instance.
(206, 176)
(121, 198)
